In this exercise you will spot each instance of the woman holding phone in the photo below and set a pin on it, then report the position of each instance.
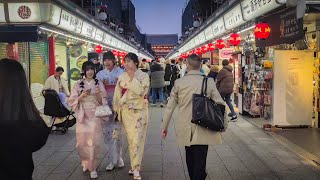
(86, 95)
(131, 104)
(22, 129)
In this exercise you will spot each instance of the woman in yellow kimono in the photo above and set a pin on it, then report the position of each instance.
(131, 104)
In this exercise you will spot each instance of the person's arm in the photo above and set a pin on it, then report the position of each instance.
(171, 106)
(47, 84)
(38, 134)
(117, 96)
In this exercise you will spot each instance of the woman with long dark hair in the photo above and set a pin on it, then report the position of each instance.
(22, 129)
(131, 104)
(86, 95)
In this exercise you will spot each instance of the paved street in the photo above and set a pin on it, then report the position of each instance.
(247, 153)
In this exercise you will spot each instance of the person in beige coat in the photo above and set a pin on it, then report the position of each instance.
(195, 138)
(59, 84)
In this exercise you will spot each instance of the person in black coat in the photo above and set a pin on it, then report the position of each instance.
(22, 129)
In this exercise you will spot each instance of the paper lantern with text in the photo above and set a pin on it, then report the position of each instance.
(204, 49)
(210, 47)
(220, 44)
(235, 39)
(262, 30)
(98, 49)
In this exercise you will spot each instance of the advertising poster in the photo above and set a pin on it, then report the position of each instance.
(78, 55)
(61, 58)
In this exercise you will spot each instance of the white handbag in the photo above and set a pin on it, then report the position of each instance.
(103, 111)
(167, 83)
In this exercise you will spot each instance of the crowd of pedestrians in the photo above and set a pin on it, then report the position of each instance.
(126, 90)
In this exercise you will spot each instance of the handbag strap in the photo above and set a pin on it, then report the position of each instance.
(204, 86)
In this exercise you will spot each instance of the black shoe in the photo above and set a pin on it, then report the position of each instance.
(230, 114)
(234, 118)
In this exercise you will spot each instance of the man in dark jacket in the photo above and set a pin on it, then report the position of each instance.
(225, 86)
(157, 83)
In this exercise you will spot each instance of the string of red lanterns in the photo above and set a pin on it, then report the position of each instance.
(220, 44)
(262, 30)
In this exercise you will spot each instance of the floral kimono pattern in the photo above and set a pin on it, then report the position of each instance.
(112, 138)
(88, 127)
(132, 107)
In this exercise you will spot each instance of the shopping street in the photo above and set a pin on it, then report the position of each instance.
(247, 152)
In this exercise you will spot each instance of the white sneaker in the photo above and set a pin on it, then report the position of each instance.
(110, 167)
(84, 169)
(93, 175)
(120, 163)
(152, 105)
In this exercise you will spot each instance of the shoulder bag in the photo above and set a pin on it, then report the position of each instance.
(205, 112)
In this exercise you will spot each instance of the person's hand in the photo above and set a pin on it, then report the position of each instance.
(98, 91)
(83, 95)
(164, 133)
(105, 82)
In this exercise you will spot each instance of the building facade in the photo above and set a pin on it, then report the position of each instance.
(162, 44)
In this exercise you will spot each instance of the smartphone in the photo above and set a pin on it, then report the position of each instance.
(88, 91)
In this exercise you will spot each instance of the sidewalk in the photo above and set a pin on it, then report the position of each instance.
(247, 153)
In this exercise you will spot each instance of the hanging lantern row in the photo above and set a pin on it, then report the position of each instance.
(262, 30)
(118, 53)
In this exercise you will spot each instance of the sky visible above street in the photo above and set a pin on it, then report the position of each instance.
(159, 16)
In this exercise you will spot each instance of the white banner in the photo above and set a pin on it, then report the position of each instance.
(252, 9)
(218, 27)
(233, 18)
(70, 22)
(202, 37)
(55, 15)
(88, 30)
(99, 35)
(2, 18)
(29, 12)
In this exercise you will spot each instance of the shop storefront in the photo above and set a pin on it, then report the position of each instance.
(45, 34)
(276, 77)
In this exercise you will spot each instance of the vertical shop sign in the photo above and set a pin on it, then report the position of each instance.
(285, 29)
(233, 18)
(2, 18)
(252, 9)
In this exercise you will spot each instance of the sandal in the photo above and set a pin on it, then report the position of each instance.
(130, 172)
(136, 175)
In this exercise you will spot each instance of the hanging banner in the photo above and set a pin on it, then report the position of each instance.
(285, 28)
(2, 18)
(233, 18)
(252, 9)
(29, 12)
(70, 22)
(218, 27)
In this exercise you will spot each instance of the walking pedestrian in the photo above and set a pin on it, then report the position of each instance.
(86, 95)
(205, 67)
(109, 76)
(168, 72)
(225, 86)
(131, 104)
(195, 138)
(157, 83)
(22, 129)
(214, 70)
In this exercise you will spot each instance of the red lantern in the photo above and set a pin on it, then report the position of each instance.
(235, 39)
(198, 51)
(262, 31)
(204, 49)
(210, 47)
(99, 49)
(115, 53)
(220, 44)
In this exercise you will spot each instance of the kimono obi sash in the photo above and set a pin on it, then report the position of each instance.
(89, 102)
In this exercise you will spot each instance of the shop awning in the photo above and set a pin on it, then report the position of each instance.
(18, 34)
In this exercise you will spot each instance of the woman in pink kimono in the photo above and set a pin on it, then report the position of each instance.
(131, 105)
(86, 95)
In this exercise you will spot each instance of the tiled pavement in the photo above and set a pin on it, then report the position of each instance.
(246, 153)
